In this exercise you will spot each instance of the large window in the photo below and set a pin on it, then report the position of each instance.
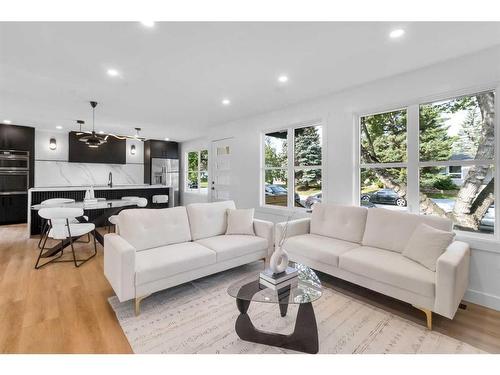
(197, 171)
(439, 161)
(457, 158)
(296, 169)
(383, 155)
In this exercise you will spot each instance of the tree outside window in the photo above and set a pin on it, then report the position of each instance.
(304, 164)
(197, 171)
(455, 167)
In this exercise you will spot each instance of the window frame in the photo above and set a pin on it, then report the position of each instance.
(290, 167)
(198, 172)
(414, 164)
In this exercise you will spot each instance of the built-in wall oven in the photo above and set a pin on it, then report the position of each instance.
(14, 172)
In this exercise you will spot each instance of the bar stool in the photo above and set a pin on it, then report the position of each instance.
(61, 227)
(160, 200)
(53, 202)
(113, 220)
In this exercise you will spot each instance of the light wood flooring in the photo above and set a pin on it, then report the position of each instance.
(63, 309)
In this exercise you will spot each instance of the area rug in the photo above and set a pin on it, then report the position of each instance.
(198, 317)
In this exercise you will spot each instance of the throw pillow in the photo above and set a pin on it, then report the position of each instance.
(240, 221)
(426, 245)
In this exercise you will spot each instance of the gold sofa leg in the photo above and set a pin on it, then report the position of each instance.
(138, 301)
(428, 315)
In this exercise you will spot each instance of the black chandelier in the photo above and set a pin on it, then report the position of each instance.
(94, 140)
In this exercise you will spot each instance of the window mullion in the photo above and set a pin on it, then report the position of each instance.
(412, 136)
(291, 173)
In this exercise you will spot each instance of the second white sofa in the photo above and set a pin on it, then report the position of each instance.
(160, 248)
(364, 246)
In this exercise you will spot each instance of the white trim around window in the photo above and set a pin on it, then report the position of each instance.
(200, 173)
(290, 168)
(486, 242)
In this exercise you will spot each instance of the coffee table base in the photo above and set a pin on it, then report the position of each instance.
(303, 339)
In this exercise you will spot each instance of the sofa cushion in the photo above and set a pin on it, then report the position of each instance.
(234, 245)
(147, 228)
(390, 268)
(391, 230)
(318, 248)
(208, 219)
(426, 245)
(165, 261)
(343, 222)
(240, 221)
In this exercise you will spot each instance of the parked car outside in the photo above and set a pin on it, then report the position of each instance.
(273, 190)
(384, 196)
(316, 198)
(487, 223)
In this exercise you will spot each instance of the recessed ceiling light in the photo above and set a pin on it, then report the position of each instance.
(167, 139)
(113, 72)
(148, 23)
(397, 33)
(7, 122)
(59, 127)
(226, 101)
(283, 79)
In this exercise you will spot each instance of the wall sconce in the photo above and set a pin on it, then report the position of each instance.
(52, 144)
(132, 150)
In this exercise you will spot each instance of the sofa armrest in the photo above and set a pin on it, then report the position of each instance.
(295, 228)
(452, 278)
(119, 266)
(265, 229)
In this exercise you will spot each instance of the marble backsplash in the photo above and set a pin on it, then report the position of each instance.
(62, 173)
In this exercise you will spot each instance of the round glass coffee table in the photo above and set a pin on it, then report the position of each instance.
(303, 291)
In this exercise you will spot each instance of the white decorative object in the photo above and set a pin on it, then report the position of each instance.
(279, 260)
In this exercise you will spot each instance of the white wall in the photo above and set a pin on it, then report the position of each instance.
(188, 197)
(53, 169)
(463, 75)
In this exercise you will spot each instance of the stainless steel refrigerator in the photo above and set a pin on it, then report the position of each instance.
(166, 172)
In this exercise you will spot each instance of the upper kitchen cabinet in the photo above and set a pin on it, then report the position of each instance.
(14, 137)
(114, 151)
(161, 149)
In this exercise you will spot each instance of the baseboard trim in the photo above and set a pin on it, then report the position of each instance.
(483, 299)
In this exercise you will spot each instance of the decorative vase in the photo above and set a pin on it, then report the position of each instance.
(279, 261)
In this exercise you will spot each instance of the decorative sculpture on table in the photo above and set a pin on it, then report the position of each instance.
(279, 260)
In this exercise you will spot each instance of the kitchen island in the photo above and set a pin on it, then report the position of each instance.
(38, 194)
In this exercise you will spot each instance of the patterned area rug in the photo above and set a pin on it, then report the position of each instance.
(198, 317)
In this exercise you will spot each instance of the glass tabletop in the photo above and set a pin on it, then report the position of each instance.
(306, 288)
(99, 205)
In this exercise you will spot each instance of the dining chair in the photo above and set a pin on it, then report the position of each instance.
(53, 202)
(113, 220)
(60, 226)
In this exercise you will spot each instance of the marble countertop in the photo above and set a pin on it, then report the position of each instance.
(96, 187)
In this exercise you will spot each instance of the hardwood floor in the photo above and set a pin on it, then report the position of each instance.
(63, 309)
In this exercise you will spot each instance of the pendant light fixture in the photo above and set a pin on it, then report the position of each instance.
(93, 140)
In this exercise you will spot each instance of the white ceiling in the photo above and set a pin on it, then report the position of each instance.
(175, 75)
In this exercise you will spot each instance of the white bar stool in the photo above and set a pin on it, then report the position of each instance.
(113, 220)
(60, 227)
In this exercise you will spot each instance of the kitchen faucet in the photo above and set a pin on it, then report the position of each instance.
(110, 180)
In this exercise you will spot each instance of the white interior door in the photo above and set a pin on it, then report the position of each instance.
(221, 170)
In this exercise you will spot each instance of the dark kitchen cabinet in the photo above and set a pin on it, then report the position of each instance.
(13, 209)
(20, 138)
(162, 149)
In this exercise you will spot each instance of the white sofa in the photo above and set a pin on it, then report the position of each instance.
(364, 246)
(160, 248)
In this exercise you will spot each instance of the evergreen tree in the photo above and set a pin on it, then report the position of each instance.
(469, 135)
(307, 153)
